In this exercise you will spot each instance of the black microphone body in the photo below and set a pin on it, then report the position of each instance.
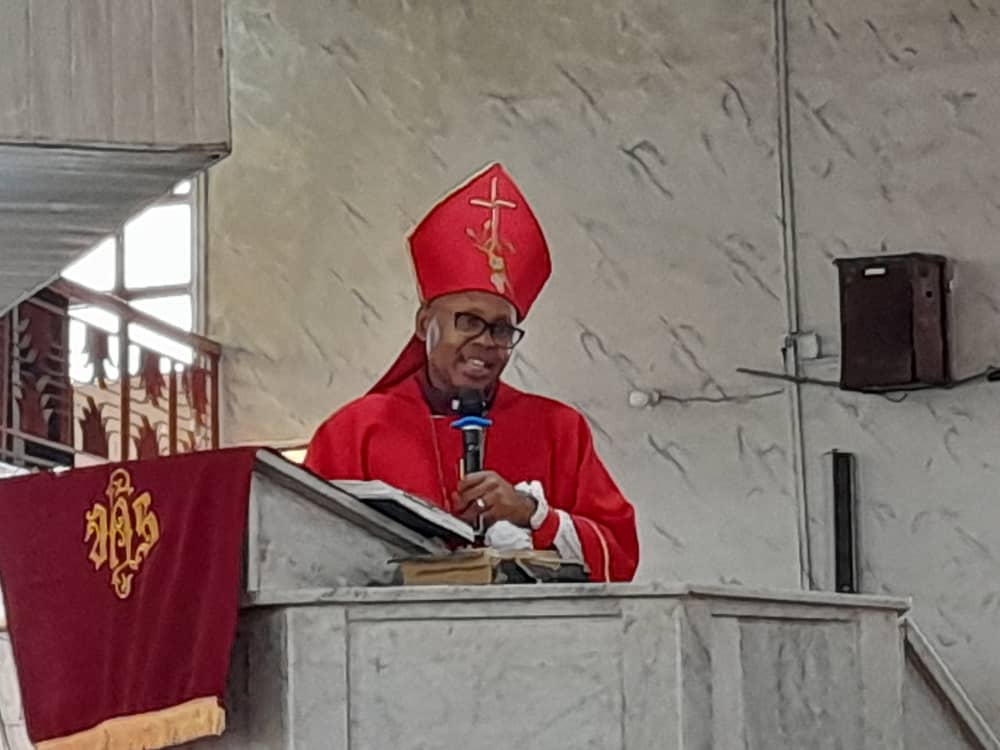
(471, 407)
(472, 450)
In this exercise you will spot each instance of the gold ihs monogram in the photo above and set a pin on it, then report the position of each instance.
(124, 531)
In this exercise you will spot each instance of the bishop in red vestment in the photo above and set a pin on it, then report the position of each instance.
(481, 260)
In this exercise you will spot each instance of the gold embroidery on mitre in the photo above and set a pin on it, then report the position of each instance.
(124, 531)
(488, 239)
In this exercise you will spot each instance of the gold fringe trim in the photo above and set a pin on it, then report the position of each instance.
(201, 717)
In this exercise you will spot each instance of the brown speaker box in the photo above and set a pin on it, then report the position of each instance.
(894, 322)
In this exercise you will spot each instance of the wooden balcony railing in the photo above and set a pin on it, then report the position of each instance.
(85, 377)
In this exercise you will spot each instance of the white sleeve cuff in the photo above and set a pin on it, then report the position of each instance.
(535, 490)
(567, 541)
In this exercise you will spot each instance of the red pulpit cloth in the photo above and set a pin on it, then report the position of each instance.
(121, 584)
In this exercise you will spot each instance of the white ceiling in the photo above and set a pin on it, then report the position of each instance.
(57, 203)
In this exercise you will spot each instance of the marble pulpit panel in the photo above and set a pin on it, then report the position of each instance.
(522, 682)
(302, 533)
(544, 667)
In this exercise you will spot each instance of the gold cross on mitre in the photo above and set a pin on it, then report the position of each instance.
(495, 203)
(490, 243)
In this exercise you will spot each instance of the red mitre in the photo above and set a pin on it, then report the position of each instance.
(482, 236)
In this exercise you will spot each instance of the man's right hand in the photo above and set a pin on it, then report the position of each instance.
(487, 496)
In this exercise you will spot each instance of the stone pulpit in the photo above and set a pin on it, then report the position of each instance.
(329, 656)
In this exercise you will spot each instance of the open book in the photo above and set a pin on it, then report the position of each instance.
(419, 515)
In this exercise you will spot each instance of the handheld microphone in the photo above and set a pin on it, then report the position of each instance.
(470, 407)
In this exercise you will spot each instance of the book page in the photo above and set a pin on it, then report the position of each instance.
(377, 494)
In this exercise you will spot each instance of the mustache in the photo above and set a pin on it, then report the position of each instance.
(487, 354)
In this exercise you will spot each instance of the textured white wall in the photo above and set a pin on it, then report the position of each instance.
(895, 144)
(645, 132)
(645, 136)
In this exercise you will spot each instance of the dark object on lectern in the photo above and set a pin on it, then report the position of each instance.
(524, 571)
(844, 537)
(893, 322)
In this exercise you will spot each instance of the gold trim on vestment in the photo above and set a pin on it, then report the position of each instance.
(185, 722)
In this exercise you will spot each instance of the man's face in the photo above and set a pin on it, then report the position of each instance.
(469, 337)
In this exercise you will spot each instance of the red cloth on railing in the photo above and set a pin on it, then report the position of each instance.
(121, 585)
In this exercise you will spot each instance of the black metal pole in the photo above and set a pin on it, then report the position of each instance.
(843, 523)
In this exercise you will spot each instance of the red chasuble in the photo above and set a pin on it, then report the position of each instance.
(393, 436)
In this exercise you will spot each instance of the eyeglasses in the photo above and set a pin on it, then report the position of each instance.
(503, 334)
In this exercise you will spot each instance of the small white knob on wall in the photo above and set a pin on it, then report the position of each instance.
(641, 399)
